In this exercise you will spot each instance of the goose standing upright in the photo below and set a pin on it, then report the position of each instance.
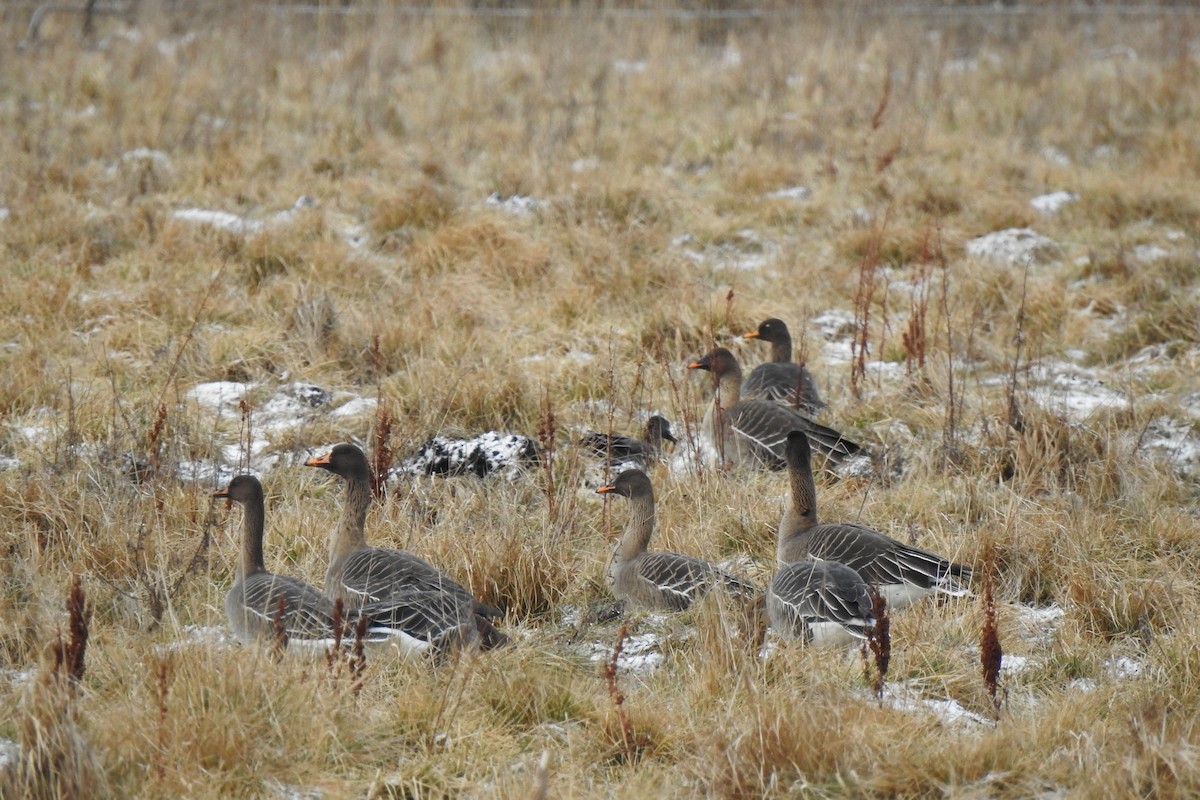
(658, 581)
(780, 379)
(902, 573)
(747, 431)
(360, 574)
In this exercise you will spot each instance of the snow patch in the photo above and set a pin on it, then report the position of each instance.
(492, 452)
(519, 205)
(1050, 204)
(791, 193)
(1075, 391)
(1014, 247)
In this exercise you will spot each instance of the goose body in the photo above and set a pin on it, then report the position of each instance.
(781, 380)
(621, 449)
(902, 573)
(754, 431)
(819, 602)
(388, 581)
(658, 580)
(258, 597)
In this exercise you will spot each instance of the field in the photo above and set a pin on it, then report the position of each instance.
(232, 237)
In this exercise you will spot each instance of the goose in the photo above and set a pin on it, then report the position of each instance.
(781, 380)
(253, 602)
(359, 574)
(819, 602)
(620, 449)
(746, 431)
(412, 621)
(658, 581)
(902, 573)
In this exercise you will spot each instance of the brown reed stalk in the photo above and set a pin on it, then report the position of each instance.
(279, 641)
(162, 682)
(631, 743)
(381, 451)
(1016, 419)
(991, 654)
(864, 297)
(358, 657)
(879, 640)
(333, 655)
(69, 656)
(547, 430)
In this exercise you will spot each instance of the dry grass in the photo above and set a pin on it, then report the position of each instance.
(653, 145)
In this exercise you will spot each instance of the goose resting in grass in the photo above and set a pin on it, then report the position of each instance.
(819, 602)
(748, 431)
(902, 573)
(360, 574)
(780, 379)
(620, 449)
(253, 602)
(413, 621)
(658, 581)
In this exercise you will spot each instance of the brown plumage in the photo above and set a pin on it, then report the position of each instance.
(361, 574)
(902, 573)
(781, 379)
(748, 431)
(658, 581)
(620, 449)
(253, 602)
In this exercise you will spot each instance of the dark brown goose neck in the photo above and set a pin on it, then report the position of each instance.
(728, 372)
(801, 514)
(350, 534)
(633, 484)
(781, 350)
(640, 525)
(253, 525)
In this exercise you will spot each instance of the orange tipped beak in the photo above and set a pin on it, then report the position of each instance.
(606, 489)
(750, 335)
(695, 365)
(319, 461)
(221, 492)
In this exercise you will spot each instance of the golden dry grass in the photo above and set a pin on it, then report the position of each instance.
(654, 145)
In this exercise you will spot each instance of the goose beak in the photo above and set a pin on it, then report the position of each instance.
(320, 461)
(221, 493)
(606, 489)
(750, 335)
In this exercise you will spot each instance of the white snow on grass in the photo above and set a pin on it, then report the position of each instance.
(790, 193)
(517, 204)
(1176, 441)
(908, 696)
(1014, 247)
(640, 653)
(234, 223)
(1050, 204)
(743, 251)
(10, 754)
(1074, 391)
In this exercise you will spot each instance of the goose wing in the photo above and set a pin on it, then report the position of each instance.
(809, 592)
(307, 614)
(616, 447)
(373, 573)
(882, 560)
(683, 579)
(763, 427)
(786, 383)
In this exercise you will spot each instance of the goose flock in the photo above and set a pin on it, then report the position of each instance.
(821, 592)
